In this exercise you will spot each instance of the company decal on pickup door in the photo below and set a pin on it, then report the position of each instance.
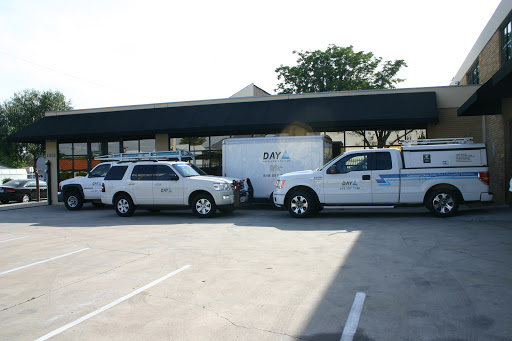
(165, 190)
(386, 179)
(349, 185)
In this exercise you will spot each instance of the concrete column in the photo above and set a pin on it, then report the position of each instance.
(51, 155)
(161, 142)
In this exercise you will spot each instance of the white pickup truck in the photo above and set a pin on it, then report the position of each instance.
(424, 172)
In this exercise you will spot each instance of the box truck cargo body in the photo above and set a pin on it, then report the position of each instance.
(263, 159)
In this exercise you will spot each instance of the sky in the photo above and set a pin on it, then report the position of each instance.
(105, 53)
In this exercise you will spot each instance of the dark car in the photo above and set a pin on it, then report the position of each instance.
(21, 190)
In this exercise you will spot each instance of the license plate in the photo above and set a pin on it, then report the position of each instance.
(243, 199)
(1, 190)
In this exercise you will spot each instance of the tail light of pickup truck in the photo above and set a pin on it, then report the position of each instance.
(103, 187)
(484, 177)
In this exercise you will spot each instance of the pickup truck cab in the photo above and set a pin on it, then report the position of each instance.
(437, 176)
(156, 185)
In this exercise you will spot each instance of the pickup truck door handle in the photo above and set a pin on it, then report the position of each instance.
(366, 177)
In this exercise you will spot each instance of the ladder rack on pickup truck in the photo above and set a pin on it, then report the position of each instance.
(458, 140)
(167, 155)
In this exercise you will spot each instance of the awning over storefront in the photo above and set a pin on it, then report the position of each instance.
(487, 99)
(269, 114)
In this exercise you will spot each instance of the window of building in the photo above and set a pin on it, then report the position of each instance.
(136, 146)
(506, 42)
(114, 147)
(474, 74)
(73, 160)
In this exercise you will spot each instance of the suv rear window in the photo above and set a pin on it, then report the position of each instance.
(116, 173)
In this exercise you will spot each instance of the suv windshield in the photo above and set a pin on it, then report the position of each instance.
(187, 170)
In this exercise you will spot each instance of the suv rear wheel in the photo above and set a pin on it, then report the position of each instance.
(203, 206)
(123, 205)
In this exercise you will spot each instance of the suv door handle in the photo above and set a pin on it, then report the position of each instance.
(366, 177)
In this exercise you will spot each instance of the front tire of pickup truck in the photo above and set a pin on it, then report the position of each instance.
(442, 202)
(301, 204)
(73, 200)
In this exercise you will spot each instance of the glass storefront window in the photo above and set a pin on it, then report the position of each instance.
(216, 142)
(65, 161)
(416, 134)
(147, 145)
(199, 143)
(95, 152)
(113, 147)
(131, 146)
(354, 139)
(179, 143)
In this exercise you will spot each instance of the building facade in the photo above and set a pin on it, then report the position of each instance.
(489, 63)
(353, 119)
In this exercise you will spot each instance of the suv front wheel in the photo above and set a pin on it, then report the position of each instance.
(123, 205)
(203, 206)
(73, 200)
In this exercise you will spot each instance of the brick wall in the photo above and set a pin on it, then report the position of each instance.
(451, 125)
(490, 58)
(495, 139)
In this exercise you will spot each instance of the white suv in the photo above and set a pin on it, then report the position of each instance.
(163, 184)
(76, 191)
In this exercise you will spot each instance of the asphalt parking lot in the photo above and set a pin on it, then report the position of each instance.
(255, 275)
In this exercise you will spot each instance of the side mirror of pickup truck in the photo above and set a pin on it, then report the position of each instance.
(173, 177)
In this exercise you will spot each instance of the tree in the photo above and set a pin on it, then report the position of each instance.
(20, 111)
(340, 69)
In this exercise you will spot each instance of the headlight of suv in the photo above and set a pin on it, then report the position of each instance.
(279, 183)
(222, 187)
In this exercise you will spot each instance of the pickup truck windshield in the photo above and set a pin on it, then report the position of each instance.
(187, 170)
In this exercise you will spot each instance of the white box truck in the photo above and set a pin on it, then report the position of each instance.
(264, 159)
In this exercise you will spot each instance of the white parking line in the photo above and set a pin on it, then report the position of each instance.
(353, 318)
(8, 240)
(110, 305)
(43, 261)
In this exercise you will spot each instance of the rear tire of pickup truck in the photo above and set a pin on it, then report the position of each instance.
(442, 202)
(203, 206)
(73, 200)
(302, 204)
(123, 205)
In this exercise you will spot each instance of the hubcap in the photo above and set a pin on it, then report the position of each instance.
(299, 204)
(123, 206)
(72, 202)
(203, 206)
(26, 198)
(443, 203)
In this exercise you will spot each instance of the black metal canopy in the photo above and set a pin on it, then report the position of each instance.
(487, 99)
(269, 114)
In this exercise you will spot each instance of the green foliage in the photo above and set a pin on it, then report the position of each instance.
(20, 111)
(338, 69)
(6, 180)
